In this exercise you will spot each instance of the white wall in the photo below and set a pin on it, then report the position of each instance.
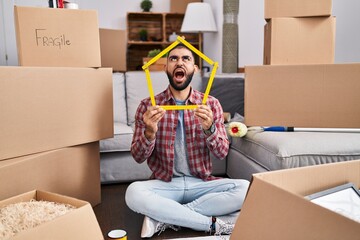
(251, 33)
(213, 41)
(2, 37)
(347, 47)
(112, 14)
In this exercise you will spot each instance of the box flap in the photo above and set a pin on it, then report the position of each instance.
(307, 180)
(270, 212)
(53, 197)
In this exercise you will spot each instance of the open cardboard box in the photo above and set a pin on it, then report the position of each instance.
(275, 207)
(72, 171)
(78, 224)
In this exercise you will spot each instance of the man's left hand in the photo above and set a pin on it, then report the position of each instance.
(205, 115)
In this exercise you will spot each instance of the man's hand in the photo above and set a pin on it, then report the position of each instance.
(204, 113)
(151, 119)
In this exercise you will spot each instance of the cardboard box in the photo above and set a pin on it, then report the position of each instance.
(177, 6)
(113, 46)
(299, 41)
(44, 109)
(297, 8)
(275, 207)
(72, 171)
(57, 37)
(80, 223)
(312, 96)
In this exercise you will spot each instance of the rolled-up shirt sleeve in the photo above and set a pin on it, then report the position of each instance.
(141, 147)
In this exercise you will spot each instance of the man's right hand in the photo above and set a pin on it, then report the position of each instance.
(151, 118)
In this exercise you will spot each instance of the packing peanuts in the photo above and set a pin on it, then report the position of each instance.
(80, 223)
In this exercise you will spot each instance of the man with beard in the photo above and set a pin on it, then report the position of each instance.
(177, 147)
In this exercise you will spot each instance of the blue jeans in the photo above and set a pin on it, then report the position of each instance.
(186, 201)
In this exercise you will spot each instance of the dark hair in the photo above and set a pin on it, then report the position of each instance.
(181, 45)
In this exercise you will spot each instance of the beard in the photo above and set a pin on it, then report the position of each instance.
(183, 85)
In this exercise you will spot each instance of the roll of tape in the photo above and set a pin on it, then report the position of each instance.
(117, 234)
(71, 5)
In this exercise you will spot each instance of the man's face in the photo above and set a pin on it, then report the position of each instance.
(180, 68)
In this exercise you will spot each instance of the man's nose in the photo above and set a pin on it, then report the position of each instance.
(180, 62)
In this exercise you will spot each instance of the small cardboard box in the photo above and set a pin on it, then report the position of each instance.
(72, 171)
(177, 6)
(57, 37)
(310, 96)
(113, 45)
(46, 108)
(275, 207)
(297, 8)
(80, 223)
(299, 41)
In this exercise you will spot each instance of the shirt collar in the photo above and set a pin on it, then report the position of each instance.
(190, 100)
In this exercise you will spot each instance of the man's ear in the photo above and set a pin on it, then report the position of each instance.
(196, 67)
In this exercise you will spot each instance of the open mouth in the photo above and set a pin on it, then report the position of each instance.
(179, 74)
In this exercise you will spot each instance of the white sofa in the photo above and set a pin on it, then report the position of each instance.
(257, 152)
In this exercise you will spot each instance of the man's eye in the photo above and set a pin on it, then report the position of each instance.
(186, 58)
(173, 59)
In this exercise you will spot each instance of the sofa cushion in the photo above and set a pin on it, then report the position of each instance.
(121, 167)
(280, 150)
(228, 88)
(120, 113)
(120, 142)
(137, 88)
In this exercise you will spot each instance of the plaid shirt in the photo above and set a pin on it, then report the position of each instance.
(159, 153)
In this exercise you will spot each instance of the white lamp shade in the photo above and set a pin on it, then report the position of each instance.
(198, 18)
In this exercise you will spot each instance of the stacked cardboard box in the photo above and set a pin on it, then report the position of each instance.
(299, 32)
(308, 40)
(113, 45)
(56, 106)
(300, 86)
(301, 91)
(57, 37)
(177, 6)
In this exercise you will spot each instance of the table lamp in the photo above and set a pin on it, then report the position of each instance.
(198, 18)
